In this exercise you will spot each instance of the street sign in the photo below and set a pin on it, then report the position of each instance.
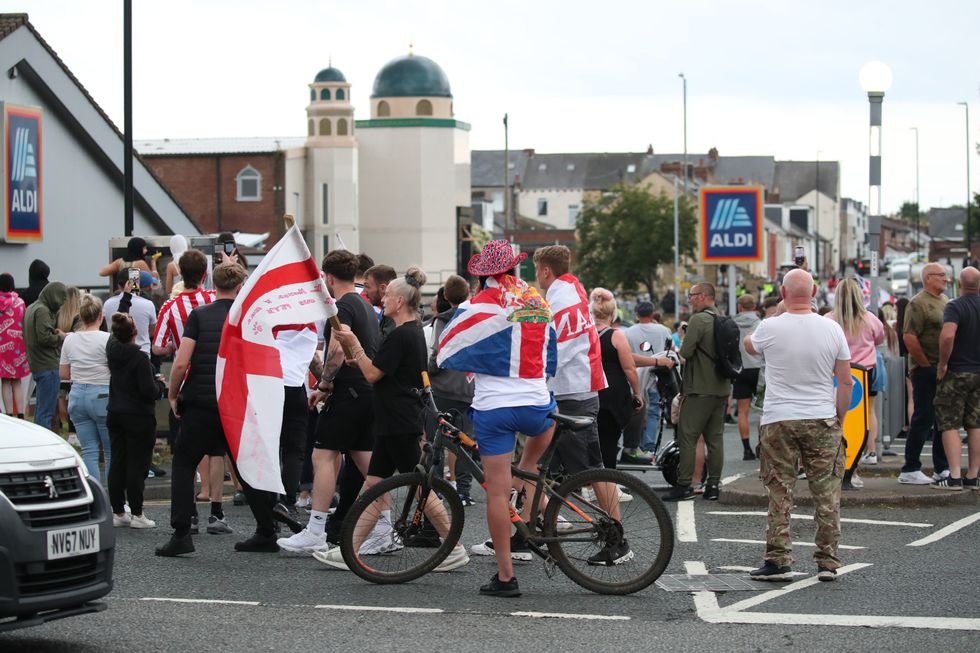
(731, 224)
(21, 147)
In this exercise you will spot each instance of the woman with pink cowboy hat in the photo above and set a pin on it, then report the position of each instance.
(510, 395)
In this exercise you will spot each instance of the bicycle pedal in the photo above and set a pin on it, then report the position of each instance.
(550, 567)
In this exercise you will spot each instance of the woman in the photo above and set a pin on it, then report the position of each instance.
(13, 353)
(136, 251)
(396, 374)
(864, 332)
(132, 421)
(236, 256)
(178, 245)
(616, 403)
(84, 364)
(68, 321)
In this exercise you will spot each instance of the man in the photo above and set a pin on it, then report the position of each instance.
(142, 310)
(193, 398)
(705, 393)
(958, 375)
(923, 325)
(801, 422)
(376, 281)
(743, 389)
(647, 329)
(43, 340)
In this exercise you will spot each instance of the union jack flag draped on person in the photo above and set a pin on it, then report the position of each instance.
(883, 296)
(507, 330)
(285, 289)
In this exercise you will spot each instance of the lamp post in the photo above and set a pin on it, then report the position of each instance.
(818, 264)
(677, 265)
(916, 130)
(969, 197)
(506, 176)
(875, 78)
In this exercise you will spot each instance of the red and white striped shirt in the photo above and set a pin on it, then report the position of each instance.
(173, 314)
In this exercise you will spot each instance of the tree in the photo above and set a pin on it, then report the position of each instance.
(625, 234)
(909, 211)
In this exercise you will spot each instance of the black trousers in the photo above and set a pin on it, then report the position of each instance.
(131, 440)
(292, 440)
(464, 480)
(610, 431)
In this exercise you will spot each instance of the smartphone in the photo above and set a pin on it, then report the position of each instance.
(134, 279)
(799, 256)
(229, 248)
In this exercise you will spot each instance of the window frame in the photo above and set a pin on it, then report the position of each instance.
(248, 173)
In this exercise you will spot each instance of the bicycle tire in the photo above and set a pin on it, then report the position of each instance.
(414, 553)
(646, 529)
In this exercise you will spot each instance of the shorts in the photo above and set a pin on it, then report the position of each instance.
(347, 421)
(578, 450)
(745, 385)
(872, 380)
(958, 401)
(396, 452)
(204, 426)
(496, 430)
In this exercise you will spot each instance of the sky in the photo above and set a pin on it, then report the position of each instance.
(765, 77)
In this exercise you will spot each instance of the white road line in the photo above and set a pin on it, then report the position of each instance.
(705, 602)
(686, 528)
(731, 479)
(792, 587)
(380, 608)
(212, 601)
(740, 568)
(762, 542)
(948, 530)
(860, 621)
(846, 520)
(565, 615)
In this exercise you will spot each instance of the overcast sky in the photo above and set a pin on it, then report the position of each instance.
(765, 77)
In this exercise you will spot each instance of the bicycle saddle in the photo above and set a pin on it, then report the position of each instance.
(571, 421)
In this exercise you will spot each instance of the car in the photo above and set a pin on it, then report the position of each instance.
(56, 537)
(899, 283)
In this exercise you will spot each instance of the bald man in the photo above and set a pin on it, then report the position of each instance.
(958, 374)
(923, 324)
(801, 422)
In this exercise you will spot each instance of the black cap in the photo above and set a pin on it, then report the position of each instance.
(644, 309)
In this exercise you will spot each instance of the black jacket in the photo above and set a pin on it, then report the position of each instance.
(133, 388)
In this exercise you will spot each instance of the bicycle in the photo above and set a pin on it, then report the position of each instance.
(573, 533)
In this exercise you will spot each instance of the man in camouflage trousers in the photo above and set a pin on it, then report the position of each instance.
(801, 423)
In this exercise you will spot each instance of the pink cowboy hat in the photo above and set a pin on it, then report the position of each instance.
(497, 257)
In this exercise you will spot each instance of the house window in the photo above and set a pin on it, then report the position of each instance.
(542, 206)
(249, 183)
(384, 109)
(631, 168)
(326, 206)
(573, 211)
(542, 167)
(325, 94)
(324, 126)
(423, 108)
(570, 167)
(339, 95)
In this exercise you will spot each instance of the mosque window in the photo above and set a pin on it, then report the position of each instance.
(339, 95)
(324, 126)
(325, 94)
(312, 95)
(342, 127)
(542, 206)
(384, 109)
(249, 183)
(310, 130)
(326, 244)
(423, 108)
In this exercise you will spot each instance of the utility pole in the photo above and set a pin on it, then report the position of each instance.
(128, 117)
(916, 130)
(506, 176)
(969, 198)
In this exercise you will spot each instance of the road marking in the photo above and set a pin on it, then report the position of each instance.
(948, 530)
(847, 520)
(740, 568)
(731, 479)
(780, 592)
(212, 601)
(565, 615)
(736, 541)
(686, 528)
(380, 608)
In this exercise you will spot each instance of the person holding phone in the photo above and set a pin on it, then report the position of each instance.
(226, 250)
(136, 257)
(126, 300)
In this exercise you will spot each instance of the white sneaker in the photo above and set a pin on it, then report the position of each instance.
(304, 503)
(381, 539)
(303, 542)
(856, 481)
(563, 524)
(456, 559)
(484, 548)
(121, 520)
(142, 521)
(127, 509)
(870, 459)
(588, 494)
(332, 558)
(939, 477)
(914, 478)
(624, 496)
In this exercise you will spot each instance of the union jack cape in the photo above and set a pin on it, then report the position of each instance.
(285, 289)
(579, 352)
(507, 330)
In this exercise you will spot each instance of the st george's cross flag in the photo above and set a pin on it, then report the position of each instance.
(285, 289)
(506, 330)
(579, 353)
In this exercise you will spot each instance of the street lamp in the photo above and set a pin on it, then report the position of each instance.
(875, 78)
(677, 248)
(969, 198)
(916, 130)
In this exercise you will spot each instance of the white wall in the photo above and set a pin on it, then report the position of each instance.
(558, 203)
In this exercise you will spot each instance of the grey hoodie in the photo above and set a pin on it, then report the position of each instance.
(747, 321)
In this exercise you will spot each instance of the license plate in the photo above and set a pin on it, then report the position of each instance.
(70, 542)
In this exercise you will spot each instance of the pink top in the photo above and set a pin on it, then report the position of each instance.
(863, 345)
(13, 355)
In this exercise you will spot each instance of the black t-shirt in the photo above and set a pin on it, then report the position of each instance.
(402, 357)
(356, 313)
(964, 312)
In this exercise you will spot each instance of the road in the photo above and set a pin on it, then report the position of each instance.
(892, 596)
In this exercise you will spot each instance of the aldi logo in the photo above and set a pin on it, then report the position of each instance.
(731, 224)
(22, 173)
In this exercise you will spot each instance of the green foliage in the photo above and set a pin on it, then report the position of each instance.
(625, 234)
(908, 212)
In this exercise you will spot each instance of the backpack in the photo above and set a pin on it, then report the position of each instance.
(729, 356)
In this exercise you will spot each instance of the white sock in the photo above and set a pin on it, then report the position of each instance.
(318, 522)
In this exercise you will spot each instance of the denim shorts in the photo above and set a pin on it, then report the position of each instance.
(496, 430)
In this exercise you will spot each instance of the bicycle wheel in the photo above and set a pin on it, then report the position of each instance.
(405, 545)
(598, 552)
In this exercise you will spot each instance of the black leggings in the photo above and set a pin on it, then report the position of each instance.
(131, 440)
(609, 434)
(292, 440)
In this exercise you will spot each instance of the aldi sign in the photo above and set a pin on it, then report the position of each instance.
(731, 224)
(22, 173)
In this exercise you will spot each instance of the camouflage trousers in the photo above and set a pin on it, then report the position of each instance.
(817, 446)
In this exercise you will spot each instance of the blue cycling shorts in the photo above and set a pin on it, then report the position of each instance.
(496, 430)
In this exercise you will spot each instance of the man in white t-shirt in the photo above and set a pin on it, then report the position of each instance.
(142, 310)
(801, 423)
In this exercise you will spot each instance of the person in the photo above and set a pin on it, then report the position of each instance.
(744, 387)
(705, 395)
(648, 329)
(864, 332)
(958, 375)
(346, 424)
(135, 257)
(142, 310)
(84, 363)
(134, 389)
(680, 330)
(193, 399)
(13, 353)
(923, 324)
(508, 398)
(806, 355)
(37, 278)
(376, 281)
(173, 283)
(43, 341)
(236, 255)
(901, 306)
(669, 302)
(67, 321)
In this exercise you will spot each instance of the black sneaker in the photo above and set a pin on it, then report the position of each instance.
(288, 517)
(771, 572)
(158, 471)
(748, 455)
(519, 550)
(239, 499)
(612, 555)
(682, 493)
(258, 544)
(466, 499)
(826, 575)
(711, 493)
(949, 483)
(730, 420)
(496, 587)
(176, 546)
(971, 483)
(195, 527)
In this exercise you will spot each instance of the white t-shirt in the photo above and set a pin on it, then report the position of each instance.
(801, 352)
(144, 314)
(85, 352)
(297, 347)
(505, 392)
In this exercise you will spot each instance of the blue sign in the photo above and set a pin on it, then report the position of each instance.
(731, 224)
(22, 174)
